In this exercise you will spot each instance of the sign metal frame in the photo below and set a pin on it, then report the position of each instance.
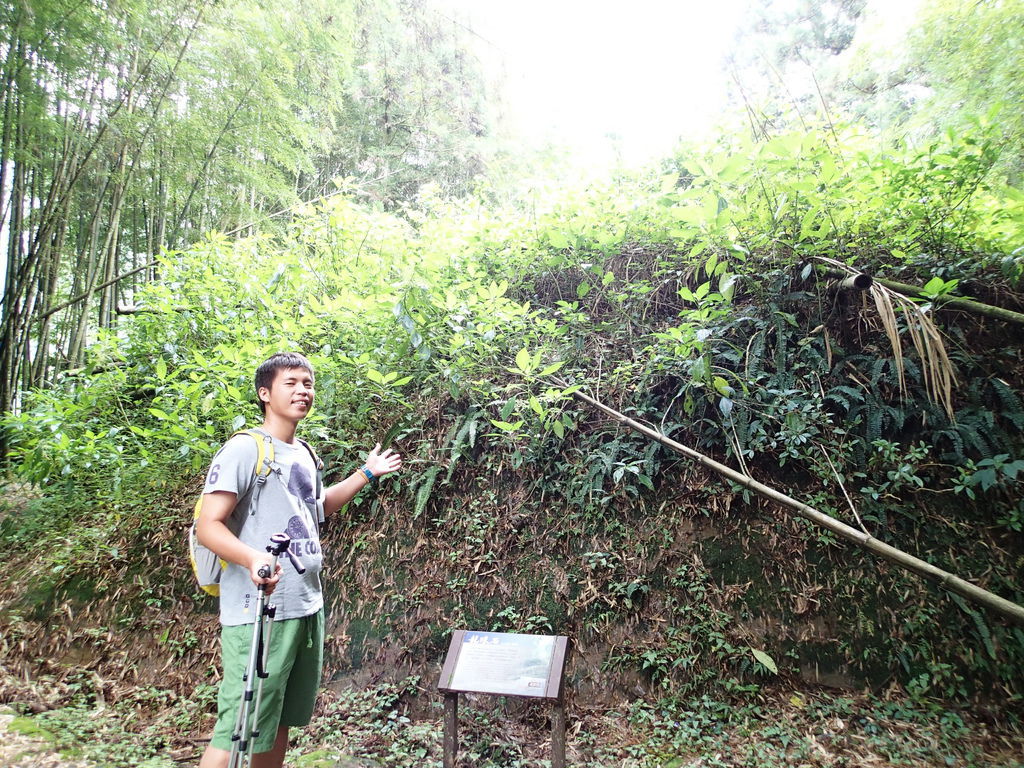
(553, 689)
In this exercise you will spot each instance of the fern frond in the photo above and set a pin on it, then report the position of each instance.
(973, 438)
(755, 355)
(1012, 409)
(873, 423)
(875, 373)
(425, 489)
(847, 395)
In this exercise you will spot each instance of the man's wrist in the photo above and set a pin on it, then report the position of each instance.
(256, 558)
(368, 474)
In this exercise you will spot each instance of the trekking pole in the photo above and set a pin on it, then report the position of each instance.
(242, 738)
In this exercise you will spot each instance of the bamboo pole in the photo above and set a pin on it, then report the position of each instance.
(956, 302)
(857, 282)
(943, 302)
(1007, 608)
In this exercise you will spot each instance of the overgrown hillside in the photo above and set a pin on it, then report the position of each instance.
(702, 300)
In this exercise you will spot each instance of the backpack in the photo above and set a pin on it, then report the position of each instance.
(206, 566)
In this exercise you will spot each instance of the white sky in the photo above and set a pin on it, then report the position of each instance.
(576, 70)
(649, 71)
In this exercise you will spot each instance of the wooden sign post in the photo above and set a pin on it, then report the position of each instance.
(500, 664)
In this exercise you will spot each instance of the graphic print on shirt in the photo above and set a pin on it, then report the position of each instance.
(300, 485)
(297, 529)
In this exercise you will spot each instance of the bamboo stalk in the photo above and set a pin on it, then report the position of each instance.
(156, 262)
(968, 305)
(857, 282)
(945, 302)
(1007, 608)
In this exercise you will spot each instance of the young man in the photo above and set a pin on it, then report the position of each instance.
(238, 529)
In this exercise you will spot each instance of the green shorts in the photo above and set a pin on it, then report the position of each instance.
(289, 692)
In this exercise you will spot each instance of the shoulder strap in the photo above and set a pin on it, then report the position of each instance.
(319, 464)
(264, 464)
(316, 459)
(264, 453)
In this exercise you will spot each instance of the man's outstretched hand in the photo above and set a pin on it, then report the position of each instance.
(385, 463)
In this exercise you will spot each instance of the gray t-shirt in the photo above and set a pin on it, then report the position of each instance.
(284, 504)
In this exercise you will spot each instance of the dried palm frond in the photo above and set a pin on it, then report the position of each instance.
(936, 368)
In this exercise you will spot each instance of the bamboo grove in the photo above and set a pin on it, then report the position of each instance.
(130, 129)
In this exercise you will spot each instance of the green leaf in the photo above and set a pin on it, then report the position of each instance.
(553, 368)
(508, 408)
(506, 426)
(780, 209)
(523, 362)
(557, 239)
(558, 428)
(162, 415)
(765, 660)
(710, 264)
(986, 478)
(689, 214)
(161, 369)
(1011, 469)
(727, 285)
(807, 224)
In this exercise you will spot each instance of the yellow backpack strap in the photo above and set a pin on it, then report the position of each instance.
(264, 453)
(264, 460)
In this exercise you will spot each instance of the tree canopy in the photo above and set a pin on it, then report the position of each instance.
(132, 129)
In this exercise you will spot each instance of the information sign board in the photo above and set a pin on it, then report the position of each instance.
(504, 664)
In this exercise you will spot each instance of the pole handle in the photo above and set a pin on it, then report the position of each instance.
(296, 563)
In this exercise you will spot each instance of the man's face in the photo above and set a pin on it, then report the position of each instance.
(290, 395)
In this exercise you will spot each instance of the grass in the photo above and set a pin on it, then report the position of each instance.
(399, 724)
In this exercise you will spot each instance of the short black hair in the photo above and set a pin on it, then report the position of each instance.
(268, 370)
